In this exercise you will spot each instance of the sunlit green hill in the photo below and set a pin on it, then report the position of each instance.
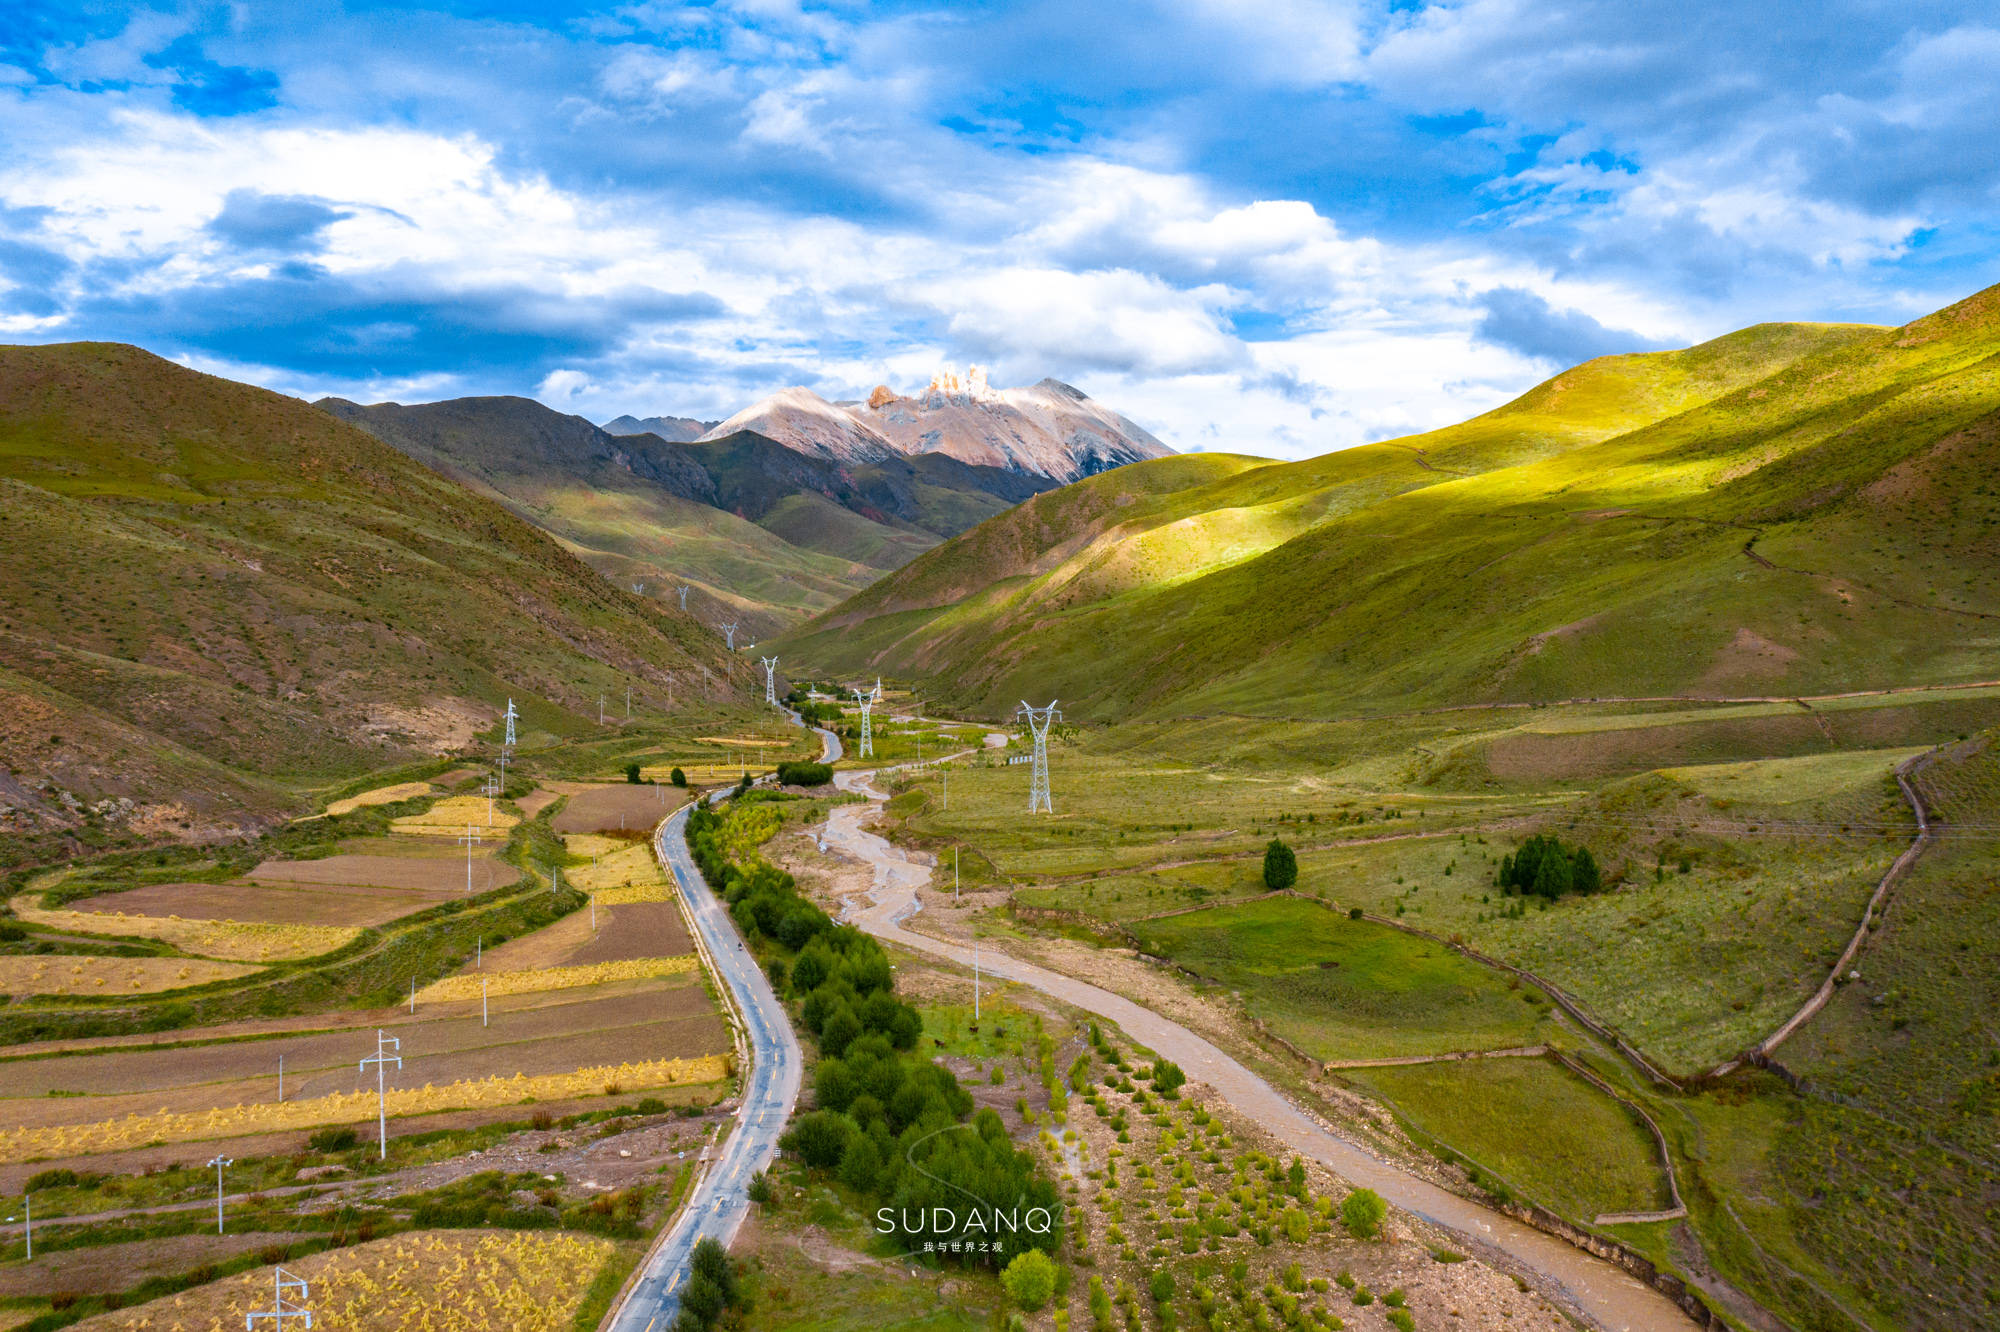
(212, 595)
(1788, 509)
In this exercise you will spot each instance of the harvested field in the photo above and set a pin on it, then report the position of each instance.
(450, 818)
(640, 892)
(118, 1266)
(348, 905)
(543, 1033)
(619, 805)
(744, 741)
(618, 865)
(23, 1144)
(381, 795)
(424, 874)
(465, 985)
(536, 801)
(626, 929)
(234, 941)
(56, 973)
(446, 1281)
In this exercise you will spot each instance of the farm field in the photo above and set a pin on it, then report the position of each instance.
(588, 808)
(436, 874)
(451, 816)
(1537, 1128)
(446, 1281)
(1348, 989)
(83, 975)
(262, 903)
(383, 795)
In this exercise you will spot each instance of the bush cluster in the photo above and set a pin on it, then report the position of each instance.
(891, 1124)
(804, 774)
(1544, 867)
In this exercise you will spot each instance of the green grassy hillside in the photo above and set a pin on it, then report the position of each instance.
(214, 596)
(1790, 509)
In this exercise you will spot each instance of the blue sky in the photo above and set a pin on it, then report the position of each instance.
(1278, 227)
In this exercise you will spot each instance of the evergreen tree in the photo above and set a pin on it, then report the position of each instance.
(1552, 876)
(1281, 867)
(1583, 872)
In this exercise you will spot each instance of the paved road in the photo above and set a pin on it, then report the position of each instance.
(1603, 1292)
(720, 1200)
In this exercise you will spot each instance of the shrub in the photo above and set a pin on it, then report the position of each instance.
(1281, 867)
(1168, 1078)
(632, 773)
(1362, 1212)
(678, 778)
(333, 1140)
(1402, 1320)
(1030, 1279)
(1354, 913)
(760, 1190)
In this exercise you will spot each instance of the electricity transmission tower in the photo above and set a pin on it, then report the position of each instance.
(381, 1058)
(1039, 720)
(728, 632)
(288, 1299)
(867, 701)
(511, 717)
(639, 589)
(770, 680)
(683, 590)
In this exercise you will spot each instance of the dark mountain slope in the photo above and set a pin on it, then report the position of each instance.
(212, 595)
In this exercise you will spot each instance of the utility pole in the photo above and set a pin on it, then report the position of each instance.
(1039, 720)
(218, 1163)
(492, 790)
(471, 839)
(381, 1059)
(947, 786)
(954, 876)
(281, 1079)
(600, 707)
(770, 680)
(482, 1001)
(628, 702)
(975, 974)
(288, 1301)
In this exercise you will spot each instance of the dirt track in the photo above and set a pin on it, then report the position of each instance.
(1602, 1292)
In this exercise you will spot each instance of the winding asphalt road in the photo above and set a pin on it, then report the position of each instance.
(721, 1198)
(1603, 1292)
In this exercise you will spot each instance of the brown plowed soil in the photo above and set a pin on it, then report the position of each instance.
(439, 875)
(633, 930)
(344, 905)
(616, 805)
(647, 1020)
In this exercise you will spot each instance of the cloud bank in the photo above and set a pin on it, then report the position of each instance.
(1278, 230)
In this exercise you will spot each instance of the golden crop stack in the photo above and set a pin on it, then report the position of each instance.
(28, 1144)
(453, 988)
(450, 818)
(442, 1281)
(230, 940)
(381, 795)
(638, 892)
(57, 973)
